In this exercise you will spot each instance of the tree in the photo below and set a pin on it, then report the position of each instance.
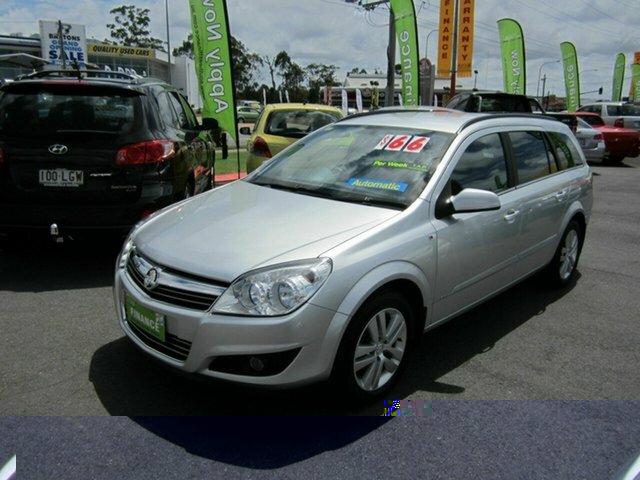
(186, 49)
(131, 27)
(245, 67)
(292, 74)
(320, 75)
(358, 71)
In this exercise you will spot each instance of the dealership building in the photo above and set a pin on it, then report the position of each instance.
(21, 55)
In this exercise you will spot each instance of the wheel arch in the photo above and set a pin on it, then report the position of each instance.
(402, 277)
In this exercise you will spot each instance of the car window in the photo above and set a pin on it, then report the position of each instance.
(191, 117)
(593, 119)
(297, 123)
(530, 153)
(565, 152)
(483, 165)
(167, 111)
(183, 120)
(629, 109)
(40, 113)
(614, 110)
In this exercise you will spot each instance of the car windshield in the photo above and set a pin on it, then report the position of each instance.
(374, 165)
(41, 113)
(297, 123)
(593, 120)
(583, 124)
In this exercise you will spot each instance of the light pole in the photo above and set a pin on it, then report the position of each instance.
(539, 73)
(475, 79)
(166, 13)
(426, 47)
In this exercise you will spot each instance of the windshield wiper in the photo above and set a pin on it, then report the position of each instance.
(374, 202)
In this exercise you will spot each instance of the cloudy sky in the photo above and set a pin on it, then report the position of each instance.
(341, 33)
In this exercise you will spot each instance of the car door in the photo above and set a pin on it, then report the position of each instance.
(543, 192)
(477, 252)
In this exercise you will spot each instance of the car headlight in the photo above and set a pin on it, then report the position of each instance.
(275, 290)
(123, 258)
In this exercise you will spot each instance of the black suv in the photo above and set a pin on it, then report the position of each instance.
(478, 101)
(88, 151)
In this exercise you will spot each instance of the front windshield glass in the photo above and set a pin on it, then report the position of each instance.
(385, 166)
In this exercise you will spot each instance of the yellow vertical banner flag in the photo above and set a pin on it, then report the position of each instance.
(445, 37)
(465, 37)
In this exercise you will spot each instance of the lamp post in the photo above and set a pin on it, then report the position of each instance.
(426, 47)
(475, 79)
(166, 13)
(539, 73)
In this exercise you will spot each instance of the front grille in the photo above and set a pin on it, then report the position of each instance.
(174, 288)
(174, 347)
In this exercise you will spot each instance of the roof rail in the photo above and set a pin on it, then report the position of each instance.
(80, 74)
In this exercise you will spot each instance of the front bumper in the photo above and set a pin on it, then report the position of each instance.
(201, 342)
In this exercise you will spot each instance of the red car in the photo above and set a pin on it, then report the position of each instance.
(619, 142)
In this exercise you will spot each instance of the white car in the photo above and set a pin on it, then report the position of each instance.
(591, 141)
(332, 259)
(618, 114)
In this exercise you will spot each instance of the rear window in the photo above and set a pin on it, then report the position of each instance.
(35, 113)
(298, 123)
(630, 110)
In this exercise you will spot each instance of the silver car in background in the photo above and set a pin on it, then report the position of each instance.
(331, 260)
(617, 114)
(591, 141)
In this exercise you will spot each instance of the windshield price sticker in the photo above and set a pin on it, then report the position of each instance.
(399, 164)
(404, 143)
(378, 184)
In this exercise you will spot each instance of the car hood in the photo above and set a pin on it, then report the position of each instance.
(226, 232)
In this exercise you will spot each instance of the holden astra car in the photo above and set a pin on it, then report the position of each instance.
(280, 125)
(332, 259)
(80, 152)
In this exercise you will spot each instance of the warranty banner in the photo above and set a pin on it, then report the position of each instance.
(407, 32)
(513, 64)
(571, 75)
(618, 77)
(211, 48)
(465, 37)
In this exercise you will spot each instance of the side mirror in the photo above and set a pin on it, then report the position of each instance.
(245, 130)
(210, 124)
(472, 200)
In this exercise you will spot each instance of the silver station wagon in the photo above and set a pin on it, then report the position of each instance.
(331, 259)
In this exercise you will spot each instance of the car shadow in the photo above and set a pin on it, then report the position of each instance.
(128, 382)
(38, 266)
(476, 332)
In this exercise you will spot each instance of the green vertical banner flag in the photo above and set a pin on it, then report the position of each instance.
(212, 52)
(571, 75)
(407, 32)
(513, 65)
(618, 77)
(635, 81)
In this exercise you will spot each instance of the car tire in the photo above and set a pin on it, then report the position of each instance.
(615, 159)
(563, 267)
(241, 120)
(374, 349)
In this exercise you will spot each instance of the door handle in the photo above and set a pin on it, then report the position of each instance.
(511, 215)
(561, 195)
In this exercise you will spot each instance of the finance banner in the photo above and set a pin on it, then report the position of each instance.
(211, 48)
(407, 33)
(571, 75)
(445, 38)
(465, 37)
(513, 58)
(618, 77)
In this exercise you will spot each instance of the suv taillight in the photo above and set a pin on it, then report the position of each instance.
(154, 151)
(619, 122)
(598, 137)
(260, 148)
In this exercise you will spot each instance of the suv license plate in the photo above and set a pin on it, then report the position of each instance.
(145, 319)
(61, 177)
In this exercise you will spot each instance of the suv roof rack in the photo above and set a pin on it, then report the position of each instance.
(81, 74)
